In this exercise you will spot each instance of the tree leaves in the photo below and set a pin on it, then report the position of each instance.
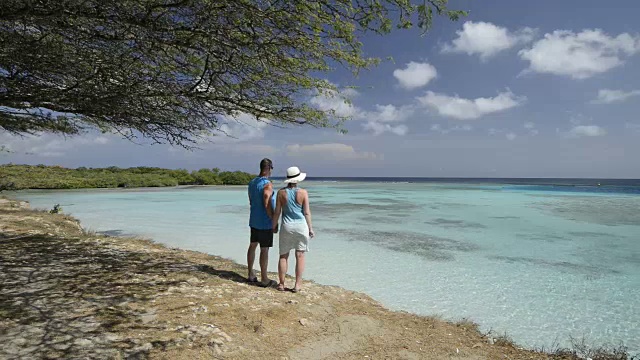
(171, 70)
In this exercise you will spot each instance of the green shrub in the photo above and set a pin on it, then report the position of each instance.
(17, 177)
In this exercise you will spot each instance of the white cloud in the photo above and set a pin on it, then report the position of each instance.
(379, 128)
(242, 127)
(510, 135)
(633, 126)
(607, 96)
(457, 128)
(388, 113)
(579, 55)
(101, 140)
(49, 145)
(338, 102)
(466, 109)
(587, 130)
(330, 151)
(486, 39)
(378, 120)
(415, 75)
(250, 149)
(531, 128)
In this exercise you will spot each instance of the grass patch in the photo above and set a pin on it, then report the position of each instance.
(581, 350)
(468, 325)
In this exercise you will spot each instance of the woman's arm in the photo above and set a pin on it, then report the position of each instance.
(307, 212)
(276, 215)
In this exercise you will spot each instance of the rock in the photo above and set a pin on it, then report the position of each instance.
(148, 317)
(491, 341)
(146, 347)
(224, 335)
(216, 341)
(201, 308)
(217, 349)
(476, 345)
(111, 337)
(61, 347)
(194, 281)
(83, 342)
(292, 302)
(20, 342)
(29, 350)
(13, 350)
(304, 322)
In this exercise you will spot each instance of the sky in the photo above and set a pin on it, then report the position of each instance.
(541, 88)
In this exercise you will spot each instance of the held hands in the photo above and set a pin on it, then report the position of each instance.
(275, 229)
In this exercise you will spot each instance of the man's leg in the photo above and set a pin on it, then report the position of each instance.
(299, 268)
(283, 265)
(264, 262)
(251, 257)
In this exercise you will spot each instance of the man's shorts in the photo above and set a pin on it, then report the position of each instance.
(264, 237)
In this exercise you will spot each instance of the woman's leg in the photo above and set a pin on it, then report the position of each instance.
(283, 266)
(299, 268)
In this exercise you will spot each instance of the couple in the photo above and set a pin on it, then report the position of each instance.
(266, 207)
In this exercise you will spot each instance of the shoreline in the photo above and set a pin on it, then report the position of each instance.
(140, 297)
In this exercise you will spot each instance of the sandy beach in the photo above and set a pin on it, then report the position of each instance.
(66, 293)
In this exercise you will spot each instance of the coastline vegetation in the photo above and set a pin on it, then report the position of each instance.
(22, 177)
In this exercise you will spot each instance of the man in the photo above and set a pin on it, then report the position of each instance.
(260, 222)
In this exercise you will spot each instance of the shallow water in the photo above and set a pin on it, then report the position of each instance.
(538, 263)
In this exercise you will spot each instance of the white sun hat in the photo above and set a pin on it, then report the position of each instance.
(294, 175)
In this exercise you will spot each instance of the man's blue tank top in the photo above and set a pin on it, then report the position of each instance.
(258, 218)
(292, 211)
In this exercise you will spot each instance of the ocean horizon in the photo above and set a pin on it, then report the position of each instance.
(542, 260)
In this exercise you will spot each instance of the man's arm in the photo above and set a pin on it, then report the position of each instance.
(266, 197)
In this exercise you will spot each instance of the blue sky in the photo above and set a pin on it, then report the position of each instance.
(517, 89)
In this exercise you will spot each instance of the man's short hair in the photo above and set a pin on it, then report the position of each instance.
(266, 164)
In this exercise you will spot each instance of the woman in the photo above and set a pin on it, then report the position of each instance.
(296, 229)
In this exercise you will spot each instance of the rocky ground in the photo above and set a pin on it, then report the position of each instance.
(65, 293)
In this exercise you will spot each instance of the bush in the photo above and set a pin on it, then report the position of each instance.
(17, 177)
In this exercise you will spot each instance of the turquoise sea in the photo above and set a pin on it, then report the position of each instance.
(541, 261)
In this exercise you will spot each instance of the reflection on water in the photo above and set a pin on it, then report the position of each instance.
(460, 224)
(590, 270)
(596, 210)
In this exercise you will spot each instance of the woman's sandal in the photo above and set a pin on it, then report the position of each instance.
(281, 287)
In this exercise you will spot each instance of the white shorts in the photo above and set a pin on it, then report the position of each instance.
(294, 236)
